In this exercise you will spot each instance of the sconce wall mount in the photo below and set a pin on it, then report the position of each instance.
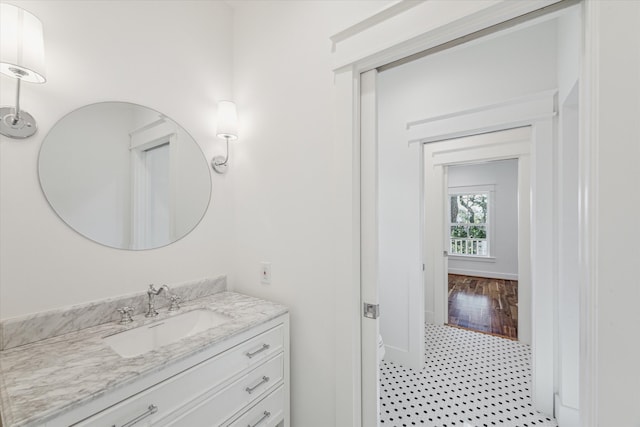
(21, 57)
(227, 130)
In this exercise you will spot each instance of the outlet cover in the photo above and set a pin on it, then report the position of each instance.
(266, 273)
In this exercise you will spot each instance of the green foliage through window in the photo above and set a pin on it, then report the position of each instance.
(469, 214)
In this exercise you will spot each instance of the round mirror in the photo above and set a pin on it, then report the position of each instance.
(124, 175)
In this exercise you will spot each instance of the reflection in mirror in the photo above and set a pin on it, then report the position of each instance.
(124, 175)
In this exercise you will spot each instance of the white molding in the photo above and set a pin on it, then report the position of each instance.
(429, 317)
(370, 328)
(472, 258)
(429, 25)
(385, 14)
(511, 113)
(485, 274)
(348, 361)
(398, 355)
(588, 215)
(566, 415)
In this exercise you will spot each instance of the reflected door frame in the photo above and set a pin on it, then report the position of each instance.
(141, 142)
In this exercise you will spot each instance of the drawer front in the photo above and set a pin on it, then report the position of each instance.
(179, 390)
(266, 413)
(214, 409)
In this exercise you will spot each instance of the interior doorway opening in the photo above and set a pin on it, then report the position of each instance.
(507, 100)
(482, 235)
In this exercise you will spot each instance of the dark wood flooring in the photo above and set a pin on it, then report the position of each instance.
(484, 305)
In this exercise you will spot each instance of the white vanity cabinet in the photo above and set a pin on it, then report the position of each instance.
(243, 381)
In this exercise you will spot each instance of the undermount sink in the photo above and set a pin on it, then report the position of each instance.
(137, 341)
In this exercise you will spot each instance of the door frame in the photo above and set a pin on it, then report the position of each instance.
(498, 145)
(367, 45)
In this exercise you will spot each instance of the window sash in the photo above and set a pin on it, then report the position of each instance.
(467, 245)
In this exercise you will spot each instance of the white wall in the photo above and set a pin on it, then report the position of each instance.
(616, 166)
(503, 176)
(288, 182)
(482, 73)
(172, 56)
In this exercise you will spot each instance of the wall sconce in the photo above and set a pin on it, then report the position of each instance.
(21, 57)
(227, 130)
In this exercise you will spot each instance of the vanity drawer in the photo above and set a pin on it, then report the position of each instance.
(213, 409)
(266, 413)
(168, 396)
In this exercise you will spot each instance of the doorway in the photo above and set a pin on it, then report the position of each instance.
(482, 231)
(538, 110)
(502, 160)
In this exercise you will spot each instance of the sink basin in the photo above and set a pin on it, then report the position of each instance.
(137, 341)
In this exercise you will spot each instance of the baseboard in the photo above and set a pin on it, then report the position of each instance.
(396, 355)
(566, 415)
(429, 317)
(487, 274)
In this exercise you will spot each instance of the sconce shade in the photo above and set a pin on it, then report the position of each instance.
(21, 45)
(227, 120)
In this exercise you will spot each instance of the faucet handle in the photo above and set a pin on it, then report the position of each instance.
(125, 313)
(175, 302)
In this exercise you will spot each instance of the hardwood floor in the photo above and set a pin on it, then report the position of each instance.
(484, 305)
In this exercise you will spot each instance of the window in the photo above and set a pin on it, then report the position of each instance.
(469, 222)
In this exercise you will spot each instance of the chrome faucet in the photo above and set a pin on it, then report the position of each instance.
(152, 292)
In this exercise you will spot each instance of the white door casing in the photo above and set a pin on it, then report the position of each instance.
(536, 111)
(509, 144)
(369, 242)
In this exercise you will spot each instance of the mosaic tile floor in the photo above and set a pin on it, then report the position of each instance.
(471, 379)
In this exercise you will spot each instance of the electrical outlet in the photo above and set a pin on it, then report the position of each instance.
(266, 273)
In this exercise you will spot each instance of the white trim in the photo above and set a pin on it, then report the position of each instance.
(429, 25)
(429, 317)
(143, 139)
(385, 14)
(480, 273)
(348, 361)
(398, 355)
(588, 214)
(369, 241)
(566, 415)
(474, 258)
(512, 113)
(471, 189)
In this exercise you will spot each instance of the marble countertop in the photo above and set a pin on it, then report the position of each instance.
(42, 380)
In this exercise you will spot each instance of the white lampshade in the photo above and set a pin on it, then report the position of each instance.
(227, 120)
(21, 44)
